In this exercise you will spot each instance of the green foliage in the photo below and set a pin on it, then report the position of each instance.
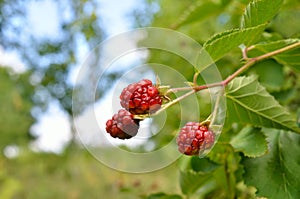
(288, 58)
(220, 44)
(260, 11)
(8, 185)
(248, 102)
(256, 154)
(271, 81)
(259, 105)
(276, 174)
(202, 165)
(200, 11)
(195, 173)
(15, 109)
(190, 181)
(76, 174)
(163, 196)
(298, 117)
(51, 59)
(209, 177)
(250, 141)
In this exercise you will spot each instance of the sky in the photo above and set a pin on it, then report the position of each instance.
(52, 127)
(13, 60)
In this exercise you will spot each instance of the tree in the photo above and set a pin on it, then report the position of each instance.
(51, 59)
(15, 109)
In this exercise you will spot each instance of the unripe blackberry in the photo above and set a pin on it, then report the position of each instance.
(122, 125)
(194, 138)
(141, 98)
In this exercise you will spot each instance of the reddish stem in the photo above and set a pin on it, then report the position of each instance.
(250, 62)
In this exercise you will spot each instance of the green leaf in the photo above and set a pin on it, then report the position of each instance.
(249, 102)
(250, 141)
(298, 117)
(285, 96)
(260, 11)
(195, 172)
(15, 109)
(223, 153)
(184, 163)
(220, 44)
(276, 175)
(163, 196)
(199, 11)
(190, 181)
(270, 74)
(290, 58)
(220, 153)
(204, 165)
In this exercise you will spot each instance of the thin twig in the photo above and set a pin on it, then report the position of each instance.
(174, 102)
(250, 62)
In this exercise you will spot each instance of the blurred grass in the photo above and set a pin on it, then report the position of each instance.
(77, 175)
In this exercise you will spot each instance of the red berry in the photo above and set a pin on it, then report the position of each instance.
(122, 125)
(141, 97)
(194, 138)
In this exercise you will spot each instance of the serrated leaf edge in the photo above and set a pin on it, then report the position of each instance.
(254, 156)
(215, 38)
(263, 89)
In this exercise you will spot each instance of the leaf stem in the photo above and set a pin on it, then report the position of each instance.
(175, 90)
(195, 78)
(250, 62)
(281, 50)
(230, 187)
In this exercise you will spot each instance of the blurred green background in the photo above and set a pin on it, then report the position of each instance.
(43, 43)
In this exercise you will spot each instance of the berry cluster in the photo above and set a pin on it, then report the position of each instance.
(141, 98)
(144, 98)
(137, 98)
(194, 138)
(122, 125)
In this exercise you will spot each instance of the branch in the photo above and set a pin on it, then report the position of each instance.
(250, 62)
